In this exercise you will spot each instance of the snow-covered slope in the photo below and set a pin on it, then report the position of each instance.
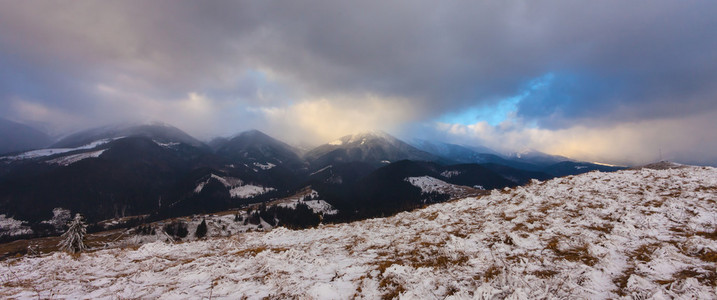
(633, 234)
(309, 197)
(53, 151)
(428, 184)
(237, 187)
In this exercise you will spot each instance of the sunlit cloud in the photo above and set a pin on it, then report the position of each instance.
(628, 143)
(321, 120)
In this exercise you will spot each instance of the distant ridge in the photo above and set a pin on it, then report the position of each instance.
(17, 137)
(374, 147)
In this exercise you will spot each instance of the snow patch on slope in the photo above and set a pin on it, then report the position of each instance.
(166, 145)
(237, 188)
(71, 159)
(321, 170)
(12, 227)
(265, 166)
(449, 174)
(317, 206)
(53, 151)
(428, 184)
(248, 191)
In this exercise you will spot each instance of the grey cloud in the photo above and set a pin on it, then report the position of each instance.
(633, 60)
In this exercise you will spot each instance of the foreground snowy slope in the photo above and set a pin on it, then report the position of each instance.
(634, 233)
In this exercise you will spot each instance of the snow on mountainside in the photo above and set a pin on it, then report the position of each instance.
(629, 234)
(375, 147)
(237, 187)
(309, 197)
(54, 151)
(428, 184)
(160, 132)
(71, 159)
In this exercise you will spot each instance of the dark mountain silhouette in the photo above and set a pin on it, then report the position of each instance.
(374, 147)
(159, 132)
(18, 137)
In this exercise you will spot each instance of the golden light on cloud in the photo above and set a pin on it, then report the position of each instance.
(623, 143)
(322, 120)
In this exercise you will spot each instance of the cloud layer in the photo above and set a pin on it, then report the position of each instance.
(314, 70)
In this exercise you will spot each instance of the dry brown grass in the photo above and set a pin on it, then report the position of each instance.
(644, 252)
(393, 288)
(507, 217)
(256, 250)
(544, 274)
(440, 262)
(575, 254)
(605, 228)
(621, 281)
(548, 207)
(94, 241)
(708, 256)
(492, 272)
(708, 277)
(459, 233)
(712, 235)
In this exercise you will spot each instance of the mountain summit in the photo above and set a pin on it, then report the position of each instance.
(254, 146)
(373, 147)
(159, 132)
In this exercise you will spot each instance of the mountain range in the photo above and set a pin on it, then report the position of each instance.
(160, 171)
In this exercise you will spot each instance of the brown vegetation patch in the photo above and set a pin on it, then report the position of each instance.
(644, 252)
(575, 254)
(605, 228)
(548, 207)
(621, 281)
(544, 274)
(708, 235)
(707, 277)
(440, 262)
(256, 250)
(708, 256)
(459, 233)
(492, 272)
(37, 246)
(393, 288)
(596, 205)
(706, 189)
(507, 217)
(520, 227)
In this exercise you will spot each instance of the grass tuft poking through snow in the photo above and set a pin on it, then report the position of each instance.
(630, 234)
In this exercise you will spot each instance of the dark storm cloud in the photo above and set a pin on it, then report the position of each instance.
(611, 60)
(637, 56)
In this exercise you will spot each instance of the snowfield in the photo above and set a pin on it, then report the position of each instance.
(237, 188)
(71, 159)
(630, 234)
(52, 151)
(428, 185)
(317, 206)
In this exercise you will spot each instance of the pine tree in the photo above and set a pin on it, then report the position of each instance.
(201, 229)
(73, 238)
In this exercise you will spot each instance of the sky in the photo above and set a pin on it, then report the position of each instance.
(609, 81)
